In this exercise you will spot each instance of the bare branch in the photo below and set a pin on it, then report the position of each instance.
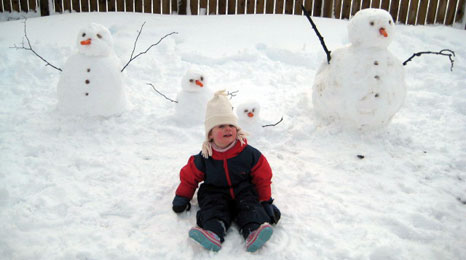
(29, 48)
(160, 93)
(144, 52)
(275, 123)
(232, 94)
(444, 52)
(321, 39)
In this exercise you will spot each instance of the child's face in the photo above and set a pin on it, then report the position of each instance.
(223, 135)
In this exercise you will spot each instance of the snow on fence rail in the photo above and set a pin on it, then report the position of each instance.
(403, 11)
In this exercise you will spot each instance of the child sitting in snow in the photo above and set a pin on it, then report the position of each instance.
(236, 183)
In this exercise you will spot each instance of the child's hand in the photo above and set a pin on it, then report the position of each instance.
(181, 204)
(272, 211)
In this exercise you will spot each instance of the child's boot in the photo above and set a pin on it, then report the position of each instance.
(208, 239)
(258, 237)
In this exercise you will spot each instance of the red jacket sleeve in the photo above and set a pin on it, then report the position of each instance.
(190, 177)
(262, 179)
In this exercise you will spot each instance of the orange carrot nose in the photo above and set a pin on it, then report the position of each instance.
(199, 83)
(86, 42)
(250, 114)
(383, 32)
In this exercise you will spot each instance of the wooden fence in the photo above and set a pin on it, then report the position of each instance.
(403, 11)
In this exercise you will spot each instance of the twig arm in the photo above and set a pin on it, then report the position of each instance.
(29, 48)
(144, 52)
(321, 39)
(160, 93)
(275, 123)
(444, 52)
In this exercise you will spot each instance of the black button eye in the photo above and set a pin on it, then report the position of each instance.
(191, 80)
(99, 36)
(202, 78)
(245, 111)
(372, 23)
(390, 22)
(253, 110)
(84, 35)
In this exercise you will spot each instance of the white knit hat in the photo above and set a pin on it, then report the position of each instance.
(219, 111)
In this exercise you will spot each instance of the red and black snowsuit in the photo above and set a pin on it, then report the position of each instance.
(234, 184)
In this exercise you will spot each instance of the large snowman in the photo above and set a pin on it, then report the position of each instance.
(363, 86)
(91, 81)
(192, 98)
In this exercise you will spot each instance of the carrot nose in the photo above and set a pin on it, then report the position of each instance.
(383, 32)
(250, 114)
(199, 83)
(86, 42)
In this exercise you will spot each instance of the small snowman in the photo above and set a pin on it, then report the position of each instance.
(249, 117)
(91, 82)
(363, 85)
(192, 98)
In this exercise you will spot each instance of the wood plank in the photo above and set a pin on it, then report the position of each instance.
(195, 7)
(23, 6)
(327, 9)
(375, 4)
(403, 11)
(460, 12)
(203, 5)
(165, 8)
(58, 7)
(119, 6)
(412, 11)
(385, 5)
(356, 6)
(441, 11)
(103, 6)
(394, 9)
(260, 6)
(231, 6)
(251, 4)
(422, 14)
(450, 12)
(181, 7)
(337, 10)
(432, 11)
(345, 14)
(75, 5)
(44, 7)
(269, 6)
(365, 4)
(288, 6)
(317, 8)
(298, 10)
(15, 5)
(212, 7)
(222, 7)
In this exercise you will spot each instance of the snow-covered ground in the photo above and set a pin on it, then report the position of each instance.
(101, 188)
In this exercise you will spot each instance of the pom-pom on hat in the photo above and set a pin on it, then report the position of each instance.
(219, 111)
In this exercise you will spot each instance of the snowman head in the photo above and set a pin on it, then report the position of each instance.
(193, 81)
(371, 28)
(94, 40)
(248, 111)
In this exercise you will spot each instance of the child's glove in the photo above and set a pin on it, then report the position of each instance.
(272, 211)
(181, 204)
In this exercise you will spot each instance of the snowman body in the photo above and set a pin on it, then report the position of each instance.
(363, 86)
(91, 82)
(192, 98)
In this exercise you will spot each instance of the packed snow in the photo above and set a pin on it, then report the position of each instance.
(93, 187)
